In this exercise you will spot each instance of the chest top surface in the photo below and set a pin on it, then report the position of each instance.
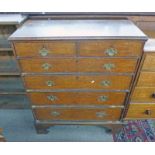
(77, 29)
(11, 19)
(150, 46)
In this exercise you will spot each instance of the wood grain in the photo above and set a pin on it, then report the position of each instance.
(55, 48)
(77, 114)
(55, 65)
(143, 95)
(98, 48)
(78, 65)
(77, 98)
(78, 82)
(146, 79)
(98, 65)
(149, 62)
(139, 111)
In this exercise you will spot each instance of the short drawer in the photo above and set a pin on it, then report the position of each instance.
(143, 94)
(110, 48)
(77, 82)
(48, 65)
(77, 98)
(149, 62)
(78, 65)
(45, 49)
(141, 111)
(77, 114)
(146, 79)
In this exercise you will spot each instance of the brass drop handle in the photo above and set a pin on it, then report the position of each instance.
(103, 98)
(105, 83)
(148, 112)
(55, 113)
(153, 95)
(108, 66)
(101, 114)
(43, 52)
(46, 66)
(50, 83)
(111, 52)
(52, 98)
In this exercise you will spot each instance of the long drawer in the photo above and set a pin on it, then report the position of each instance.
(45, 49)
(107, 82)
(77, 114)
(85, 48)
(141, 111)
(143, 94)
(77, 98)
(110, 48)
(78, 65)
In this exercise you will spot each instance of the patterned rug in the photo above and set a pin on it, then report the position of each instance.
(137, 131)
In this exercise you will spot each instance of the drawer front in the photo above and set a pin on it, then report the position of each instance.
(78, 82)
(78, 65)
(80, 98)
(141, 111)
(149, 62)
(77, 114)
(45, 49)
(143, 94)
(48, 65)
(107, 65)
(146, 79)
(110, 48)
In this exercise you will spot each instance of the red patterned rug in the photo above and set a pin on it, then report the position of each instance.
(137, 131)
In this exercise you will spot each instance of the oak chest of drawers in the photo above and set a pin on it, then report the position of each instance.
(142, 103)
(78, 71)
